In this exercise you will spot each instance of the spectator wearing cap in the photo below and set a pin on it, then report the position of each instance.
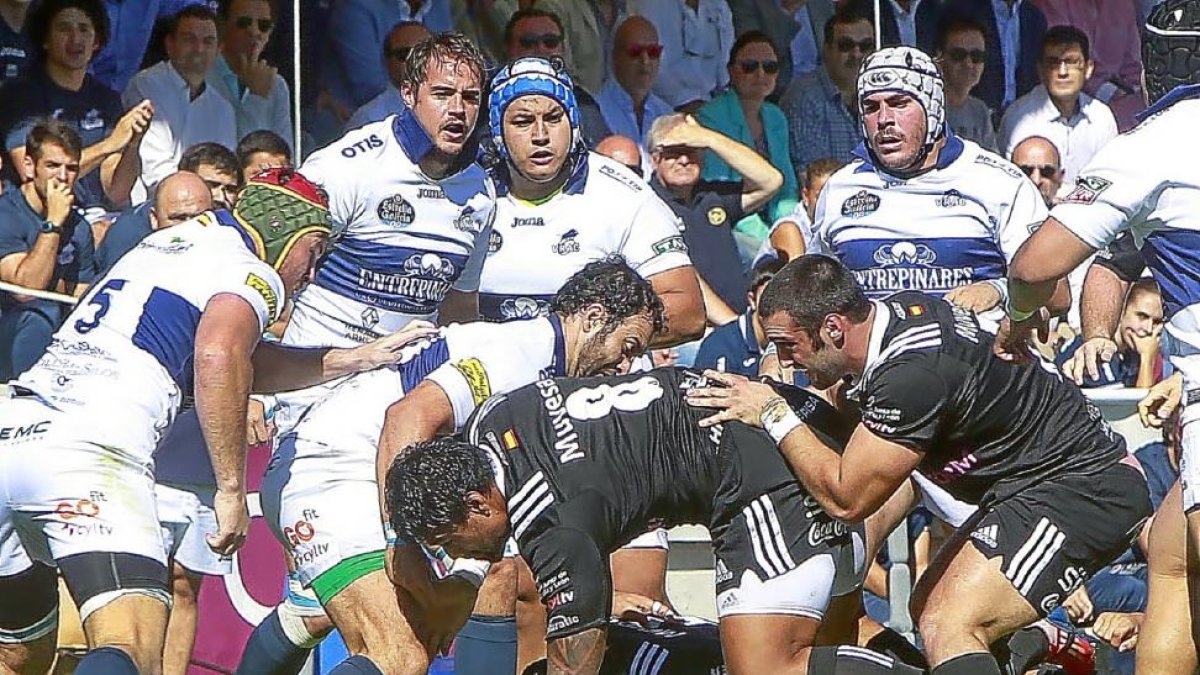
(1057, 109)
(353, 72)
(1115, 31)
(589, 28)
(537, 32)
(45, 245)
(627, 100)
(262, 150)
(16, 49)
(399, 41)
(677, 145)
(737, 346)
(66, 35)
(821, 108)
(744, 114)
(1013, 32)
(796, 26)
(130, 23)
(961, 53)
(696, 37)
(254, 88)
(187, 111)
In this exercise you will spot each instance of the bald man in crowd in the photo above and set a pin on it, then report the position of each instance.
(181, 196)
(624, 150)
(1039, 159)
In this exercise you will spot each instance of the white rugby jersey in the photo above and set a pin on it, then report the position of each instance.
(1148, 180)
(960, 223)
(470, 362)
(122, 361)
(401, 240)
(603, 209)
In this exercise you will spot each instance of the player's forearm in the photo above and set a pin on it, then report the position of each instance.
(36, 269)
(819, 469)
(716, 311)
(1100, 302)
(278, 368)
(222, 391)
(579, 654)
(403, 425)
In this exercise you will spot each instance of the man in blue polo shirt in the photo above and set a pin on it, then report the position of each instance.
(44, 245)
(709, 210)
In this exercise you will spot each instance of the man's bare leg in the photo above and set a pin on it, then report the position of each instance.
(368, 616)
(181, 626)
(1165, 643)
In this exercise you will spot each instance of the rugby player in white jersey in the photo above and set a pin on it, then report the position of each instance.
(322, 496)
(1147, 181)
(921, 208)
(560, 206)
(411, 214)
(180, 314)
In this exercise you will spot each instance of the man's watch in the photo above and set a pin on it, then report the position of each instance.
(49, 227)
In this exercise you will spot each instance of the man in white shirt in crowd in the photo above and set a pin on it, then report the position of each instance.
(696, 37)
(187, 111)
(396, 45)
(1057, 109)
(627, 101)
(254, 87)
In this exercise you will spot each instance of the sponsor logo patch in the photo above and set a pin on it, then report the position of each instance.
(495, 241)
(264, 289)
(395, 211)
(567, 243)
(952, 199)
(477, 379)
(860, 204)
(717, 215)
(1087, 189)
(986, 535)
(669, 245)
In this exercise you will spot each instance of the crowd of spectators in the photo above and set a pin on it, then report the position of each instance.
(736, 112)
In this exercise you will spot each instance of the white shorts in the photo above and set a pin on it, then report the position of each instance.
(941, 503)
(185, 517)
(654, 539)
(63, 495)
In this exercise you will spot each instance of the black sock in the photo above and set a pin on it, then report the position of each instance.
(846, 660)
(979, 663)
(895, 645)
(270, 652)
(486, 644)
(356, 665)
(107, 661)
(1027, 648)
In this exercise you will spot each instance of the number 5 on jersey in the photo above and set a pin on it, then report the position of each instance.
(102, 301)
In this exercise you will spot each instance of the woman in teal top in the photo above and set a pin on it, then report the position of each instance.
(744, 114)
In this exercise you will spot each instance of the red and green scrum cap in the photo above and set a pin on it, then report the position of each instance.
(280, 206)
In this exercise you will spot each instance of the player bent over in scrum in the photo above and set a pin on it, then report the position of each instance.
(1059, 495)
(322, 495)
(573, 469)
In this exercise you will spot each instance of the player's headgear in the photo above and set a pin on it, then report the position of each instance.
(528, 76)
(1171, 47)
(910, 71)
(280, 206)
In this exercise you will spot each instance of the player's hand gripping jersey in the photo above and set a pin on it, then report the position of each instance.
(958, 224)
(604, 458)
(402, 240)
(603, 209)
(122, 362)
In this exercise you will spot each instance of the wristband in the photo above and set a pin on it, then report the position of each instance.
(778, 418)
(1016, 315)
(393, 539)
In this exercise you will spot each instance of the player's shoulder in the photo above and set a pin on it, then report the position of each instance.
(356, 148)
(609, 179)
(987, 167)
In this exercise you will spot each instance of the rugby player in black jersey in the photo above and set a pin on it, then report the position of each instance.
(574, 468)
(1058, 493)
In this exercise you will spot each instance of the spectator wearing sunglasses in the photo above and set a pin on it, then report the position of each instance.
(821, 108)
(696, 36)
(396, 46)
(254, 87)
(1013, 30)
(537, 32)
(795, 24)
(589, 28)
(1058, 109)
(1037, 158)
(627, 100)
(913, 23)
(744, 114)
(961, 54)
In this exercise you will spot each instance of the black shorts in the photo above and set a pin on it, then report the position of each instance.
(1053, 535)
(777, 551)
(689, 649)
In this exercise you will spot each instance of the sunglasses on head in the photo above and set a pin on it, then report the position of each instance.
(636, 51)
(547, 40)
(958, 55)
(846, 45)
(750, 65)
(1044, 169)
(245, 22)
(399, 53)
